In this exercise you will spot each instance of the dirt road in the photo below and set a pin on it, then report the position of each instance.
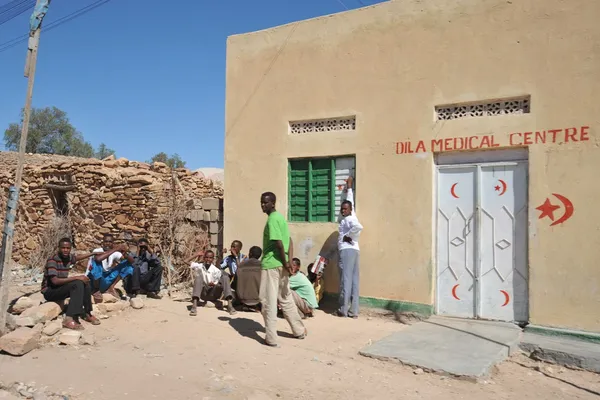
(161, 352)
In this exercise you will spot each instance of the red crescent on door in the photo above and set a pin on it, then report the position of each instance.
(504, 187)
(454, 291)
(569, 209)
(506, 297)
(452, 192)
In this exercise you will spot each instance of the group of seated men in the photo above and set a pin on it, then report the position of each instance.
(142, 271)
(240, 275)
(139, 271)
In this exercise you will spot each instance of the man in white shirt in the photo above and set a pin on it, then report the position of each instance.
(107, 267)
(210, 283)
(349, 230)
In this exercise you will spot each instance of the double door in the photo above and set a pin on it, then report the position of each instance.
(482, 241)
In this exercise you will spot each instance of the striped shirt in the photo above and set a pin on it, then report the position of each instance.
(56, 267)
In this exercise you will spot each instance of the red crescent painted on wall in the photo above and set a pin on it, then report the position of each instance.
(506, 297)
(504, 187)
(452, 192)
(454, 291)
(569, 209)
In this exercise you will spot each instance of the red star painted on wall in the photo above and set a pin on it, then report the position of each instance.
(547, 210)
(497, 188)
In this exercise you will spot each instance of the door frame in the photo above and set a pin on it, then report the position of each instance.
(477, 159)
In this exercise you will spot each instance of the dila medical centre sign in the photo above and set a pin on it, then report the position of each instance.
(479, 142)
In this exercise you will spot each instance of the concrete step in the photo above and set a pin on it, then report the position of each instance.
(462, 348)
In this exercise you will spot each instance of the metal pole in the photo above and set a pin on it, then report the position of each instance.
(13, 198)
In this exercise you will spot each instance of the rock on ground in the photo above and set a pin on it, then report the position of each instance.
(20, 341)
(25, 321)
(69, 337)
(52, 328)
(43, 313)
(37, 298)
(112, 307)
(88, 338)
(4, 395)
(11, 322)
(137, 303)
(22, 304)
(109, 298)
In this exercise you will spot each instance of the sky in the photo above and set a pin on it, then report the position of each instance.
(143, 79)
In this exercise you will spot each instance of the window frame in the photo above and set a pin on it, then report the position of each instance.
(333, 212)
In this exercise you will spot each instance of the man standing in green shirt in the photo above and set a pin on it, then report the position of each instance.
(275, 274)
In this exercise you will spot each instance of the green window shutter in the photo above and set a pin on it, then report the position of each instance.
(298, 191)
(321, 186)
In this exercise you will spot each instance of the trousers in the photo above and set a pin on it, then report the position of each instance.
(275, 288)
(104, 279)
(302, 305)
(349, 282)
(80, 294)
(150, 281)
(205, 292)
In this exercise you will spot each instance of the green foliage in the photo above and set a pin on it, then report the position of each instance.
(51, 132)
(173, 161)
(103, 152)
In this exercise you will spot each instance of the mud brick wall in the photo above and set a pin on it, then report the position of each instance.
(122, 197)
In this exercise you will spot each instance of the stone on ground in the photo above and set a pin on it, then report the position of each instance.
(4, 395)
(137, 303)
(88, 338)
(43, 313)
(22, 304)
(109, 298)
(52, 328)
(20, 341)
(11, 322)
(25, 321)
(104, 308)
(69, 337)
(466, 348)
(37, 298)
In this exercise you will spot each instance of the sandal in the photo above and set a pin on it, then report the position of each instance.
(76, 326)
(92, 320)
(305, 334)
(193, 312)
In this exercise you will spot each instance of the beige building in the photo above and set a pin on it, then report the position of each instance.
(471, 127)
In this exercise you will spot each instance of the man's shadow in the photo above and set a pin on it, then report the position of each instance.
(250, 328)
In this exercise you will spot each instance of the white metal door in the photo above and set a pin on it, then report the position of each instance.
(456, 241)
(482, 241)
(503, 242)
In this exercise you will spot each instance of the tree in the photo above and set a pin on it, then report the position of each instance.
(173, 161)
(49, 132)
(103, 152)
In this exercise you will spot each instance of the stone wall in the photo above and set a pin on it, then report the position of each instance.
(122, 197)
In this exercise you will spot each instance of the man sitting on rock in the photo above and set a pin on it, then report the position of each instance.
(147, 272)
(209, 283)
(248, 280)
(108, 266)
(57, 286)
(231, 263)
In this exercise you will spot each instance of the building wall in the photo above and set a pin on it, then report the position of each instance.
(125, 198)
(390, 65)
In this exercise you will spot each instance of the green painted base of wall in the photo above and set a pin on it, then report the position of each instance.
(390, 305)
(565, 333)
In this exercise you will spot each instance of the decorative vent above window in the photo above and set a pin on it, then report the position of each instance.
(512, 106)
(323, 125)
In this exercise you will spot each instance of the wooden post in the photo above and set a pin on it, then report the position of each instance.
(13, 199)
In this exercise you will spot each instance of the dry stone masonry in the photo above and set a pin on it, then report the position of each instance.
(126, 198)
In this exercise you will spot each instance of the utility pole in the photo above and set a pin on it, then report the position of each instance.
(35, 26)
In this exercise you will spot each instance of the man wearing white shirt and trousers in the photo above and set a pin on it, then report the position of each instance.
(209, 283)
(349, 230)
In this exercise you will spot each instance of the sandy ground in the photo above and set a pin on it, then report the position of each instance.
(161, 352)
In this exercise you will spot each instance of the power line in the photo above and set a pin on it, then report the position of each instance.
(9, 6)
(15, 11)
(54, 24)
(342, 3)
